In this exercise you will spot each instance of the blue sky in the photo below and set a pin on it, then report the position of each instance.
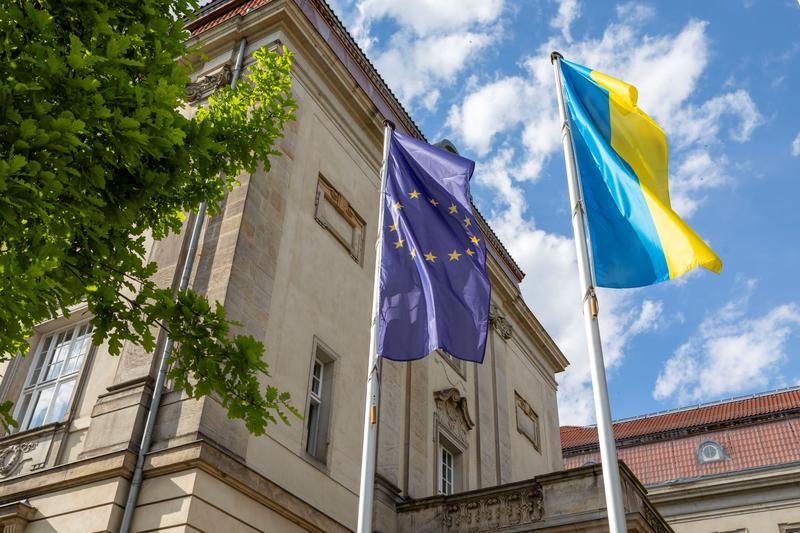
(722, 78)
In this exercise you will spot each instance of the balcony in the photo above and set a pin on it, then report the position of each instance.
(569, 500)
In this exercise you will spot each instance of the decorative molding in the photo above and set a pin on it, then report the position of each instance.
(498, 321)
(452, 413)
(11, 457)
(654, 520)
(492, 512)
(527, 421)
(206, 85)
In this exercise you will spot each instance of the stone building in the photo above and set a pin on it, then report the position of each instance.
(462, 447)
(726, 467)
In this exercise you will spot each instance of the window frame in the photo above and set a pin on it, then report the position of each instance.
(48, 339)
(702, 460)
(447, 443)
(447, 472)
(323, 401)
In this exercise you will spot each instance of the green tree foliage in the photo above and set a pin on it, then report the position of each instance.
(95, 155)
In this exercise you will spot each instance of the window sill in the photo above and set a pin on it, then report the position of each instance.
(30, 434)
(316, 463)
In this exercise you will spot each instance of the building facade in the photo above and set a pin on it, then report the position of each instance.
(726, 467)
(461, 447)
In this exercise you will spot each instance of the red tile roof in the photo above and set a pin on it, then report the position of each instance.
(755, 431)
(693, 417)
(215, 15)
(752, 446)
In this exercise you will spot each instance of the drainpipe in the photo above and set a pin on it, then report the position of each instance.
(155, 401)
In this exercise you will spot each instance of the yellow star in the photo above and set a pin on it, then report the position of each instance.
(399, 243)
(434, 202)
(398, 205)
(475, 240)
(413, 252)
(430, 257)
(467, 222)
(453, 209)
(454, 255)
(413, 194)
(470, 252)
(392, 227)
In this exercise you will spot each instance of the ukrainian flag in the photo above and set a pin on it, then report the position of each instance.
(637, 239)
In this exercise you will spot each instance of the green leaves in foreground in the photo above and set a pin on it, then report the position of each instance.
(95, 155)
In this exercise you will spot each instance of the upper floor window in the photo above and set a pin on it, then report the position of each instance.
(710, 452)
(320, 400)
(334, 213)
(446, 471)
(51, 381)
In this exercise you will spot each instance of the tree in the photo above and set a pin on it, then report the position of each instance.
(95, 155)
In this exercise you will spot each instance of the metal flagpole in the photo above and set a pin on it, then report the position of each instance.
(608, 452)
(368, 449)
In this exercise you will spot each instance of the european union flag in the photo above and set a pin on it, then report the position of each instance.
(434, 289)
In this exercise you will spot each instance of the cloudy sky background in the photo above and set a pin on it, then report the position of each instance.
(723, 79)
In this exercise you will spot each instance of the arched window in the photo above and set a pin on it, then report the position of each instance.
(710, 452)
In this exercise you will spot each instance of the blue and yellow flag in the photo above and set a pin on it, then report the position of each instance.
(637, 239)
(434, 288)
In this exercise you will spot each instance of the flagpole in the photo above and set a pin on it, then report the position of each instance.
(366, 491)
(608, 452)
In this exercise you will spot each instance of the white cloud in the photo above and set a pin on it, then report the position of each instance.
(730, 354)
(568, 12)
(553, 294)
(635, 13)
(702, 124)
(434, 42)
(417, 67)
(696, 173)
(490, 109)
(425, 17)
(796, 144)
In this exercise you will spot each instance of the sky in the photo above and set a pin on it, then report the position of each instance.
(723, 80)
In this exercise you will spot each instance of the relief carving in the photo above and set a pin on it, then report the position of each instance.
(207, 84)
(452, 413)
(498, 321)
(11, 457)
(492, 512)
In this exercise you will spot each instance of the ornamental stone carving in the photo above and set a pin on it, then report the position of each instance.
(207, 84)
(494, 511)
(498, 321)
(11, 457)
(452, 413)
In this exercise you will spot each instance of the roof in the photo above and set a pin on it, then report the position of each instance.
(745, 448)
(687, 418)
(754, 432)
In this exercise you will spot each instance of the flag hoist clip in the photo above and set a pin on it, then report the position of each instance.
(591, 295)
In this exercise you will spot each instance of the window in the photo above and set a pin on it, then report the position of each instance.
(446, 471)
(789, 528)
(710, 452)
(334, 213)
(320, 399)
(58, 360)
